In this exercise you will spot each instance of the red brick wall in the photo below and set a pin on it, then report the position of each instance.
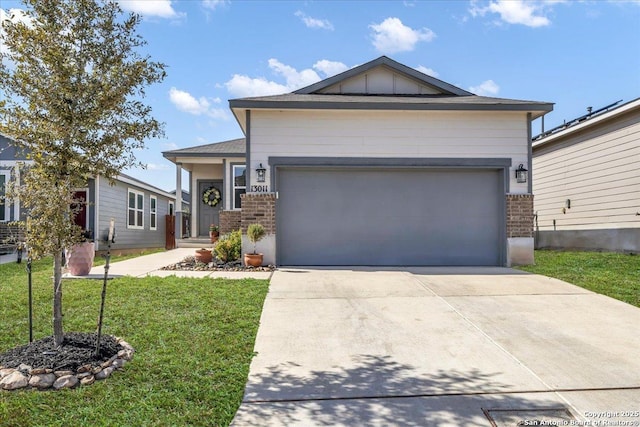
(229, 221)
(260, 209)
(519, 215)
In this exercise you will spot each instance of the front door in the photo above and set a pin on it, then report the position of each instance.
(208, 214)
(82, 213)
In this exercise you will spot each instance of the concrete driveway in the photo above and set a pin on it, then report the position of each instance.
(440, 346)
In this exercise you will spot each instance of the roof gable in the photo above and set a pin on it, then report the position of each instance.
(383, 76)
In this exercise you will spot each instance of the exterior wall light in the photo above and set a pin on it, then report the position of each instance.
(261, 173)
(521, 174)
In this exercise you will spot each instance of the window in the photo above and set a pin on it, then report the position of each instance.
(136, 209)
(171, 208)
(153, 213)
(239, 184)
(4, 208)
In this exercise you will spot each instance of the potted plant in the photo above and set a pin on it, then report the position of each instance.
(255, 233)
(80, 257)
(204, 255)
(214, 232)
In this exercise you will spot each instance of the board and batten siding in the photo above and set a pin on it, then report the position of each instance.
(113, 203)
(390, 134)
(597, 171)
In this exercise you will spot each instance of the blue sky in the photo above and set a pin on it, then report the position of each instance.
(573, 53)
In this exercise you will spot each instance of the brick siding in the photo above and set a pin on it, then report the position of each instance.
(229, 221)
(260, 209)
(519, 215)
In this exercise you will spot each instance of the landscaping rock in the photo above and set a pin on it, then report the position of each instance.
(24, 368)
(67, 381)
(104, 373)
(118, 363)
(63, 373)
(88, 380)
(14, 381)
(40, 371)
(83, 368)
(6, 371)
(42, 381)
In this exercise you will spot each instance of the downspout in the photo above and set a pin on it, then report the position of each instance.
(529, 155)
(96, 215)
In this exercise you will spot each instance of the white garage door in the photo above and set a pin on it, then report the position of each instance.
(389, 217)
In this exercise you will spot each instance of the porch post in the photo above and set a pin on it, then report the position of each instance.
(178, 208)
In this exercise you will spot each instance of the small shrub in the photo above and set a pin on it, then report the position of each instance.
(229, 247)
(255, 233)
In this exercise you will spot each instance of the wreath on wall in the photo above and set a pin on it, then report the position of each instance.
(211, 196)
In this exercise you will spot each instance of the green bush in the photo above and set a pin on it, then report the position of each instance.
(255, 233)
(229, 247)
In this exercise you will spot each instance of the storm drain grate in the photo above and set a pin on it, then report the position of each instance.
(529, 417)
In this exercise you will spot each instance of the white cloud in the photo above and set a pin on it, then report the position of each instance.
(486, 88)
(330, 68)
(186, 102)
(313, 22)
(427, 71)
(157, 167)
(531, 13)
(391, 36)
(157, 8)
(213, 4)
(244, 86)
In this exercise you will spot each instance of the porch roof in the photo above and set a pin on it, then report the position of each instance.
(231, 148)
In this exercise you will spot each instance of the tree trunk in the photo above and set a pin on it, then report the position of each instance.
(58, 334)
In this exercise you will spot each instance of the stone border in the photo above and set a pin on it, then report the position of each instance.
(43, 379)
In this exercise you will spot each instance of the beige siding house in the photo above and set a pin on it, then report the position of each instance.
(380, 165)
(586, 182)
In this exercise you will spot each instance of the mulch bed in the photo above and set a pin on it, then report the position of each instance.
(190, 264)
(77, 349)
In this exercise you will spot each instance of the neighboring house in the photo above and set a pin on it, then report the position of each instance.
(138, 208)
(186, 201)
(586, 181)
(379, 165)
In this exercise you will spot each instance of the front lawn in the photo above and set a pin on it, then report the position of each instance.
(193, 338)
(612, 274)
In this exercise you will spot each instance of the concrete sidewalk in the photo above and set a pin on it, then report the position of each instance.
(441, 347)
(151, 265)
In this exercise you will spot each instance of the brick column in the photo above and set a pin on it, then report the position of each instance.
(259, 208)
(519, 215)
(520, 229)
(230, 221)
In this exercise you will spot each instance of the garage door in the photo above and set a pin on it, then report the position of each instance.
(389, 217)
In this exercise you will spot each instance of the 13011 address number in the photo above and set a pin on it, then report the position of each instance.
(259, 188)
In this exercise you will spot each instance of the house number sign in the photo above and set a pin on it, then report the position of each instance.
(260, 188)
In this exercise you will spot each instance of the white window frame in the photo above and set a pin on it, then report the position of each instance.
(239, 187)
(6, 208)
(153, 212)
(136, 209)
(171, 208)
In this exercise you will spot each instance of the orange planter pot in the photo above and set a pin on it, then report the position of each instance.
(253, 260)
(204, 256)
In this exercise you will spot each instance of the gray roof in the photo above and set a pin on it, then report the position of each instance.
(453, 98)
(231, 148)
(390, 102)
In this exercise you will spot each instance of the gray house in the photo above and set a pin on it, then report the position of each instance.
(139, 209)
(586, 181)
(379, 165)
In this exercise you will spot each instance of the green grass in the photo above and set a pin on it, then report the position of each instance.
(193, 339)
(612, 274)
